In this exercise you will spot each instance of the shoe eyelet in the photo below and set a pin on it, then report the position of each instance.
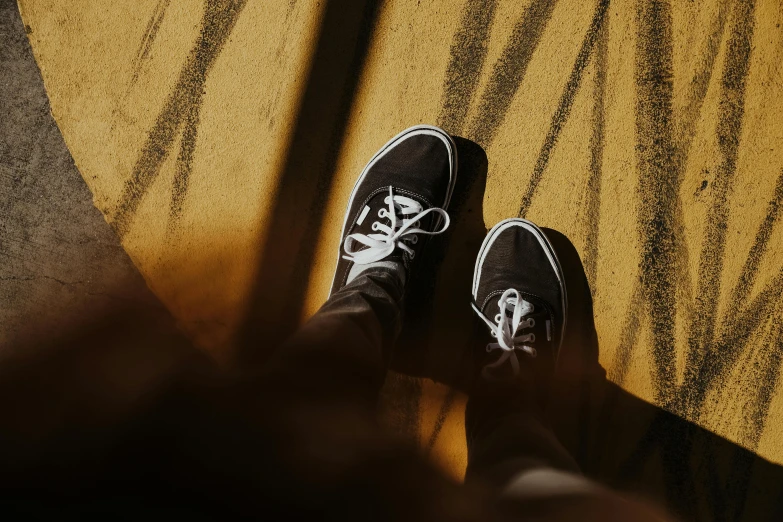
(532, 338)
(531, 322)
(374, 225)
(534, 353)
(497, 318)
(415, 239)
(382, 213)
(412, 255)
(488, 349)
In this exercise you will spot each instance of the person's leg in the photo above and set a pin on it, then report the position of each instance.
(507, 434)
(519, 292)
(300, 440)
(324, 381)
(343, 351)
(399, 200)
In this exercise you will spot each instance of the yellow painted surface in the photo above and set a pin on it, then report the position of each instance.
(109, 78)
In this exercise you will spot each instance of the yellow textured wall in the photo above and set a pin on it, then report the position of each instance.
(649, 133)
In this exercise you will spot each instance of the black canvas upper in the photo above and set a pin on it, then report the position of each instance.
(516, 254)
(420, 163)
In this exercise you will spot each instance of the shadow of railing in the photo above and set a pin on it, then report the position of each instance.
(304, 184)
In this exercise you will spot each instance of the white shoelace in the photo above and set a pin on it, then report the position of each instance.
(505, 331)
(403, 229)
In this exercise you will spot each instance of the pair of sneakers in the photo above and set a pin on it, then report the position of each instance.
(402, 196)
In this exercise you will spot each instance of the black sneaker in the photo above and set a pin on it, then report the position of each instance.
(402, 194)
(519, 291)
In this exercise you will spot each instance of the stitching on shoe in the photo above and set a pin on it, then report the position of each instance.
(385, 189)
(490, 296)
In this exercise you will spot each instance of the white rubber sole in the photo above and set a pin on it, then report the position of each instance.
(411, 131)
(542, 239)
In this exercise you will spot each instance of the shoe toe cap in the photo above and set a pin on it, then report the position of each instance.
(519, 258)
(422, 163)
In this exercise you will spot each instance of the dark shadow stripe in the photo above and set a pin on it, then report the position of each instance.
(766, 370)
(658, 187)
(682, 137)
(217, 23)
(735, 334)
(738, 327)
(298, 206)
(443, 413)
(685, 130)
(593, 188)
(509, 70)
(467, 54)
(564, 107)
(184, 166)
(751, 267)
(699, 83)
(147, 40)
(629, 336)
(730, 116)
(772, 348)
(768, 365)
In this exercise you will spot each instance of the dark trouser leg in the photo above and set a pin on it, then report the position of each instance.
(342, 352)
(340, 464)
(513, 451)
(507, 434)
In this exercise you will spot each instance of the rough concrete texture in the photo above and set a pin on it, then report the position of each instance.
(221, 140)
(60, 263)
